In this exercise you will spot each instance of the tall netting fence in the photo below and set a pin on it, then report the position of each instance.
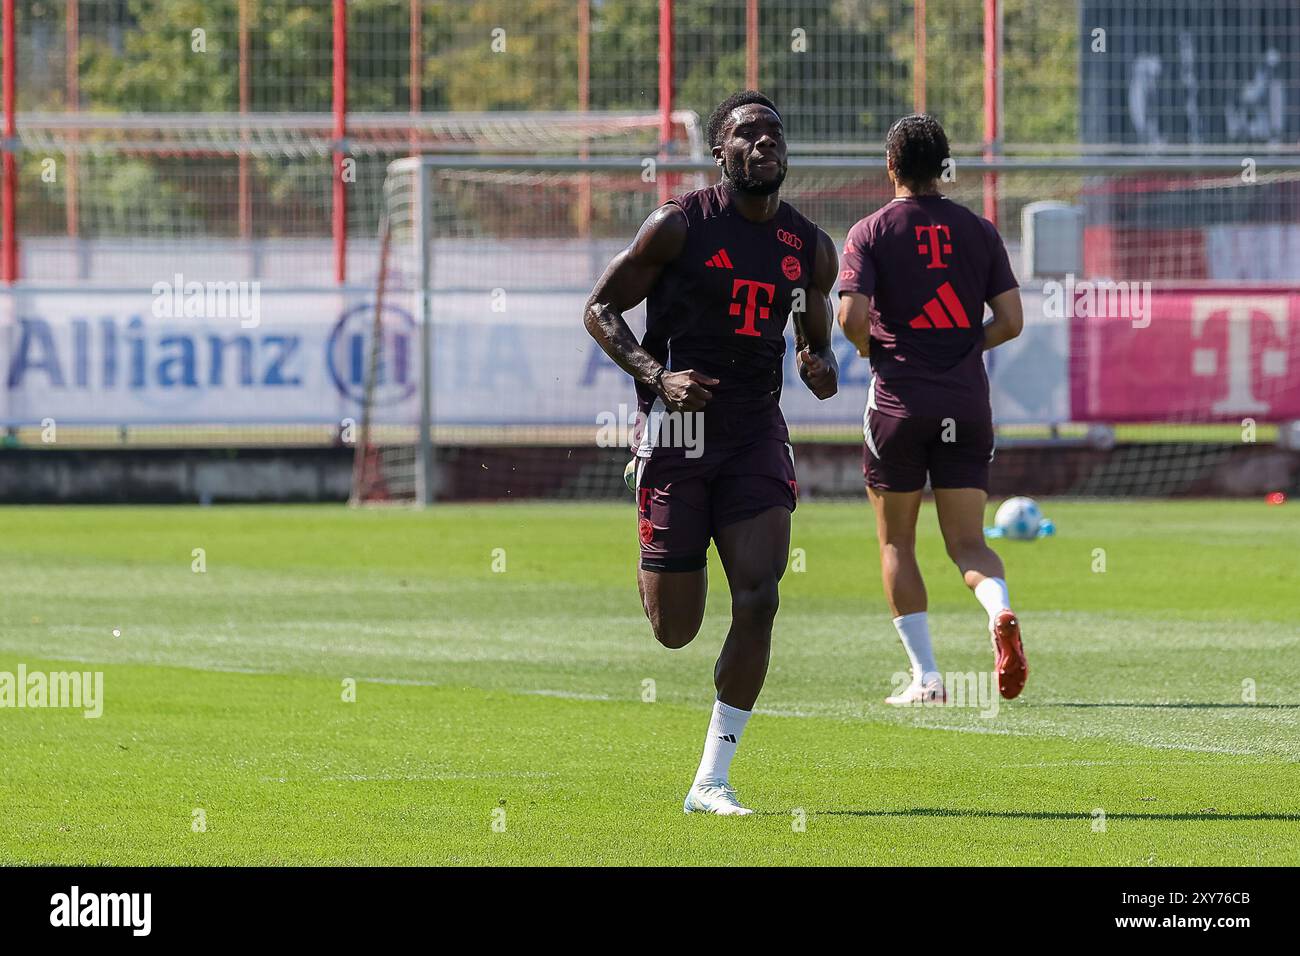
(160, 143)
(112, 198)
(131, 225)
(523, 403)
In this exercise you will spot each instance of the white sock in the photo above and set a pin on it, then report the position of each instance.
(914, 632)
(725, 727)
(992, 593)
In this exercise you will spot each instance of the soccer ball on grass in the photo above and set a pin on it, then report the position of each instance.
(1020, 519)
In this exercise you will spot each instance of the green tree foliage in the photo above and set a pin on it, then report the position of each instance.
(502, 54)
(146, 59)
(841, 71)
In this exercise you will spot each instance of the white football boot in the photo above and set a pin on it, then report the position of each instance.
(712, 796)
(929, 692)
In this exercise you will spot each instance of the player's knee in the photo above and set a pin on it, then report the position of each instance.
(901, 545)
(676, 628)
(675, 634)
(963, 551)
(757, 603)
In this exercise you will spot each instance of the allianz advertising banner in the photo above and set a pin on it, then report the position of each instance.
(276, 356)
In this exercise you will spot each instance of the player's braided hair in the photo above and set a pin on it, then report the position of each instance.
(719, 116)
(916, 147)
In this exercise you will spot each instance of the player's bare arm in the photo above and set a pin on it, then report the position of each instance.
(855, 320)
(626, 282)
(812, 330)
(1008, 319)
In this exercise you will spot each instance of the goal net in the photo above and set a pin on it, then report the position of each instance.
(115, 198)
(1140, 372)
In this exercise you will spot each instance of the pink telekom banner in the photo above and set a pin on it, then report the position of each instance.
(1204, 355)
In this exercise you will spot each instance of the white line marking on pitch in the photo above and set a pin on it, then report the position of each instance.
(381, 777)
(566, 694)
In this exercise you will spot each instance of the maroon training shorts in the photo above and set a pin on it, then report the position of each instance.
(899, 452)
(683, 502)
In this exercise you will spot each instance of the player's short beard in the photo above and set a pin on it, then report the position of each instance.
(743, 183)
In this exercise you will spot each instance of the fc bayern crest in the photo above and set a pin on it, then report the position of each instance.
(790, 266)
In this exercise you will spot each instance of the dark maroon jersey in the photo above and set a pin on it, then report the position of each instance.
(721, 308)
(930, 264)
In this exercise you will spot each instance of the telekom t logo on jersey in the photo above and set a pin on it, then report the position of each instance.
(750, 307)
(929, 244)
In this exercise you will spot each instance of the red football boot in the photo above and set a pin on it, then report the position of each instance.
(1009, 655)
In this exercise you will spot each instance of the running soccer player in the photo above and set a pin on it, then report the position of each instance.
(721, 269)
(916, 276)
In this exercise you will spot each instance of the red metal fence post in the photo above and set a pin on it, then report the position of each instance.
(9, 240)
(245, 182)
(340, 211)
(416, 73)
(751, 44)
(665, 92)
(992, 114)
(584, 104)
(72, 78)
(920, 41)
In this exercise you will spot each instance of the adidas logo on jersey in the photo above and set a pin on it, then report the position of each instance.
(942, 311)
(720, 260)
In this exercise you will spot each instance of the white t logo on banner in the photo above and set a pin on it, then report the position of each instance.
(1239, 312)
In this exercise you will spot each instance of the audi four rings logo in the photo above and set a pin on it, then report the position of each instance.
(789, 238)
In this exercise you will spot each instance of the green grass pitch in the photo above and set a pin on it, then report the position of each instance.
(500, 714)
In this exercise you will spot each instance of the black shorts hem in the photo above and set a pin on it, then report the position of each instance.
(688, 562)
(960, 485)
(735, 517)
(892, 488)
